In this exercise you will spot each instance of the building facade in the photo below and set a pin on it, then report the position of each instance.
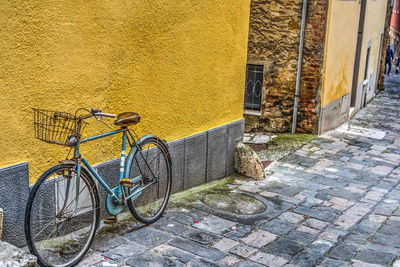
(395, 28)
(342, 57)
(178, 64)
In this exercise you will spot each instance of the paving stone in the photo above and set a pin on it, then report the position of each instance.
(170, 226)
(238, 233)
(180, 255)
(386, 240)
(149, 237)
(107, 243)
(243, 251)
(300, 237)
(282, 189)
(259, 238)
(284, 247)
(225, 244)
(322, 213)
(356, 239)
(333, 263)
(342, 193)
(367, 227)
(150, 259)
(357, 263)
(202, 237)
(268, 259)
(124, 251)
(230, 260)
(375, 257)
(382, 248)
(277, 226)
(199, 262)
(305, 229)
(291, 217)
(197, 249)
(316, 224)
(248, 264)
(305, 258)
(343, 252)
(215, 224)
(321, 246)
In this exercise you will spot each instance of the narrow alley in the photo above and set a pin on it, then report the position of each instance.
(334, 202)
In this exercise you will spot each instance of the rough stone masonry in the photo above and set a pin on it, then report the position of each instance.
(274, 42)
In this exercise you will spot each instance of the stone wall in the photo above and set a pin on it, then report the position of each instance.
(274, 42)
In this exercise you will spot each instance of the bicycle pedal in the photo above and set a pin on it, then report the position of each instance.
(125, 182)
(111, 220)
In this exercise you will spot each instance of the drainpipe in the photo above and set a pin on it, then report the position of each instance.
(299, 63)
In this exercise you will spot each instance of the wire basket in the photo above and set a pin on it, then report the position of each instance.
(56, 127)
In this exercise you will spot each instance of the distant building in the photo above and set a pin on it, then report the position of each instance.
(342, 50)
(395, 28)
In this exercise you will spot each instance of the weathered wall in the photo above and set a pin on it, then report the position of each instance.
(340, 49)
(373, 30)
(180, 64)
(340, 52)
(273, 42)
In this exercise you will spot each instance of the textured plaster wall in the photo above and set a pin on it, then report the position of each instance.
(341, 45)
(180, 64)
(340, 49)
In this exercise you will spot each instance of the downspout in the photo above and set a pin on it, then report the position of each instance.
(299, 64)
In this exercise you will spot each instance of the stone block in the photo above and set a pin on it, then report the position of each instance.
(376, 257)
(235, 133)
(216, 153)
(13, 256)
(195, 160)
(14, 192)
(177, 152)
(149, 237)
(197, 249)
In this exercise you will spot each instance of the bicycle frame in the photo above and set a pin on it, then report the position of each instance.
(124, 168)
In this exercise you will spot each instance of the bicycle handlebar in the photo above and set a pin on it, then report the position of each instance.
(108, 115)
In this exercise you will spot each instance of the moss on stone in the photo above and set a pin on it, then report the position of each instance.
(284, 144)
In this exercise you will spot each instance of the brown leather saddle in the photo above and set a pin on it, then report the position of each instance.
(127, 119)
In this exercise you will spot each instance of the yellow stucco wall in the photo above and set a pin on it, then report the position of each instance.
(375, 14)
(340, 49)
(341, 41)
(180, 64)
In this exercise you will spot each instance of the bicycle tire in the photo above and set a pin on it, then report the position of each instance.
(145, 208)
(67, 234)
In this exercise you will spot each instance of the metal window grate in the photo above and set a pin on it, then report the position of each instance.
(253, 90)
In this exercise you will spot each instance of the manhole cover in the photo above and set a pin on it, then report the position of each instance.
(234, 203)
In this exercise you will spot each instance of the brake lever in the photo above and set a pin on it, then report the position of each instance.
(100, 120)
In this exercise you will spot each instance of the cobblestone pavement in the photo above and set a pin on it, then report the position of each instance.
(334, 202)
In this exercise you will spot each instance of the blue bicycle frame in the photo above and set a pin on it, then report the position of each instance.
(115, 203)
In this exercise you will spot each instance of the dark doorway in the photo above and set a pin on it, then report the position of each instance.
(357, 58)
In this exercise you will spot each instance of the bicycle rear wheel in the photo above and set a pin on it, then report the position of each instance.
(154, 166)
(62, 215)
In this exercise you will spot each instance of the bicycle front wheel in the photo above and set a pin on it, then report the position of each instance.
(152, 162)
(62, 215)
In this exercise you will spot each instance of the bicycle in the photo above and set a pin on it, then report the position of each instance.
(63, 208)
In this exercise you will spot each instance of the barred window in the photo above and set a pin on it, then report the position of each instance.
(253, 90)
